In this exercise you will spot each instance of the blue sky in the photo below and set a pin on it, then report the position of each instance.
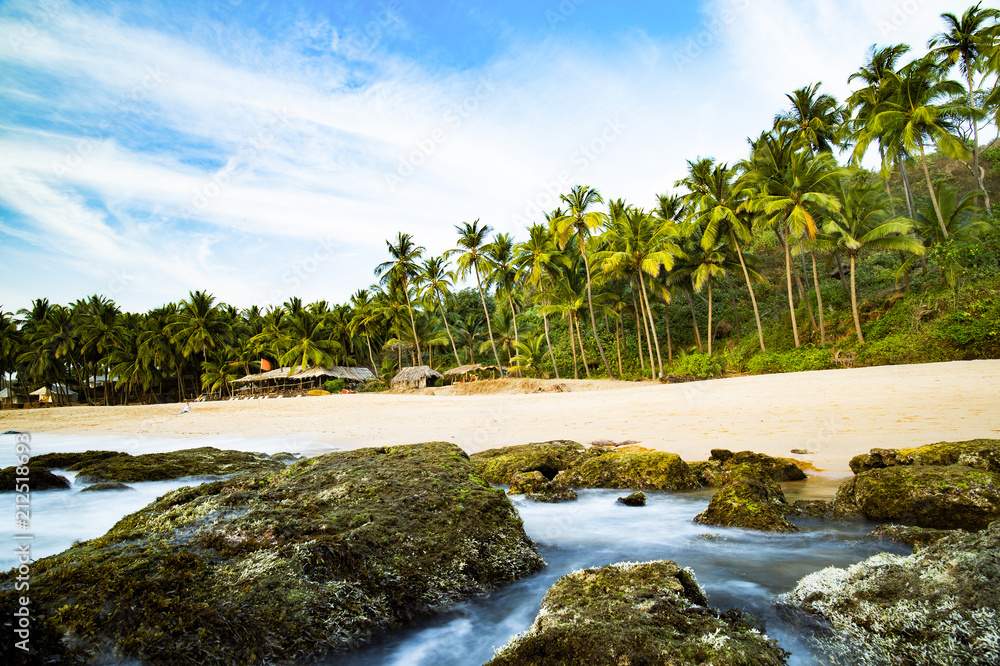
(263, 150)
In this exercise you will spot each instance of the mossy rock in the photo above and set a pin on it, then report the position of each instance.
(204, 461)
(651, 614)
(716, 471)
(981, 454)
(527, 482)
(749, 501)
(638, 498)
(534, 486)
(937, 497)
(634, 470)
(937, 606)
(107, 485)
(287, 566)
(40, 477)
(73, 461)
(552, 494)
(498, 466)
(813, 508)
(914, 537)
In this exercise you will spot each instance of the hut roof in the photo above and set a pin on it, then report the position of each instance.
(59, 389)
(417, 373)
(337, 372)
(463, 369)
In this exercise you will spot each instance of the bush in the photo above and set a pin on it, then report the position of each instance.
(696, 365)
(799, 360)
(335, 385)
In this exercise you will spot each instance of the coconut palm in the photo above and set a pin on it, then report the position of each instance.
(306, 340)
(964, 42)
(580, 220)
(101, 332)
(530, 355)
(364, 316)
(501, 259)
(471, 253)
(436, 288)
(402, 268)
(199, 325)
(864, 222)
(540, 261)
(962, 221)
(815, 120)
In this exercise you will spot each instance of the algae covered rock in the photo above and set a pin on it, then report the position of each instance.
(73, 461)
(914, 537)
(499, 466)
(981, 454)
(813, 508)
(534, 486)
(937, 606)
(939, 497)
(204, 461)
(638, 498)
(107, 485)
(749, 501)
(631, 614)
(39, 477)
(284, 566)
(717, 470)
(638, 470)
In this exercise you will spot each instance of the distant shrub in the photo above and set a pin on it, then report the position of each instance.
(799, 360)
(696, 365)
(335, 385)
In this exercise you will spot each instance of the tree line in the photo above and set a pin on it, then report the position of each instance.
(602, 269)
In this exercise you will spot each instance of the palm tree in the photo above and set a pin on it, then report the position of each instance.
(864, 222)
(9, 344)
(403, 267)
(364, 315)
(437, 286)
(530, 355)
(539, 260)
(912, 115)
(580, 221)
(503, 271)
(472, 258)
(964, 43)
(307, 342)
(961, 221)
(102, 332)
(814, 120)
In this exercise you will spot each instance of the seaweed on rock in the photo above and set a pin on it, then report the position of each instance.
(203, 461)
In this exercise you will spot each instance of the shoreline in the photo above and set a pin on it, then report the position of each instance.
(833, 414)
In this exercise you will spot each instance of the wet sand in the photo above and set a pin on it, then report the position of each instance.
(833, 414)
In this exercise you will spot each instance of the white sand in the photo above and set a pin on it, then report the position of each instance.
(834, 414)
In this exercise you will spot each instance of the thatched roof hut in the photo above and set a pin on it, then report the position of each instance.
(416, 377)
(463, 372)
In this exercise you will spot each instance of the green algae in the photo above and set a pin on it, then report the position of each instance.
(638, 498)
(39, 477)
(204, 461)
(983, 454)
(498, 466)
(73, 461)
(750, 501)
(630, 614)
(534, 486)
(279, 566)
(716, 471)
(629, 470)
(107, 485)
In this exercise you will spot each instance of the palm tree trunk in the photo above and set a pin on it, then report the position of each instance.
(711, 331)
(930, 190)
(448, 328)
(854, 304)
(413, 322)
(583, 352)
(791, 299)
(907, 190)
(736, 312)
(819, 301)
(618, 344)
(638, 331)
(489, 326)
(572, 344)
(694, 321)
(590, 303)
(977, 170)
(753, 297)
(513, 316)
(803, 297)
(371, 356)
(652, 326)
(666, 322)
(840, 271)
(552, 356)
(643, 307)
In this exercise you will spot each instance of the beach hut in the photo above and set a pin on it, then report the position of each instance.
(420, 376)
(11, 398)
(59, 393)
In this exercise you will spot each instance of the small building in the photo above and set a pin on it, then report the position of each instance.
(465, 373)
(58, 394)
(417, 377)
(298, 377)
(11, 398)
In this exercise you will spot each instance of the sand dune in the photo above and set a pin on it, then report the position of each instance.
(833, 414)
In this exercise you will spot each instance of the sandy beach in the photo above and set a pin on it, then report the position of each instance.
(833, 414)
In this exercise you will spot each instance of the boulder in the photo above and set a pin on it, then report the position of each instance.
(715, 472)
(534, 486)
(914, 537)
(204, 461)
(630, 614)
(981, 454)
(639, 470)
(283, 566)
(39, 478)
(107, 485)
(750, 501)
(73, 461)
(938, 497)
(937, 606)
(813, 508)
(498, 466)
(637, 498)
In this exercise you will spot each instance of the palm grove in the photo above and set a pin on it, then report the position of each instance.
(602, 287)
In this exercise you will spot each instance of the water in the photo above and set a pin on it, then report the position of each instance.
(738, 569)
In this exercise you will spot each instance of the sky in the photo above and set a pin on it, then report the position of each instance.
(264, 150)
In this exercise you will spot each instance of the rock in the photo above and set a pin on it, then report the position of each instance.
(204, 461)
(750, 501)
(500, 465)
(813, 508)
(534, 486)
(981, 454)
(281, 566)
(715, 473)
(938, 497)
(937, 606)
(39, 478)
(108, 485)
(639, 470)
(914, 537)
(637, 498)
(801, 452)
(73, 461)
(630, 614)
(284, 457)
